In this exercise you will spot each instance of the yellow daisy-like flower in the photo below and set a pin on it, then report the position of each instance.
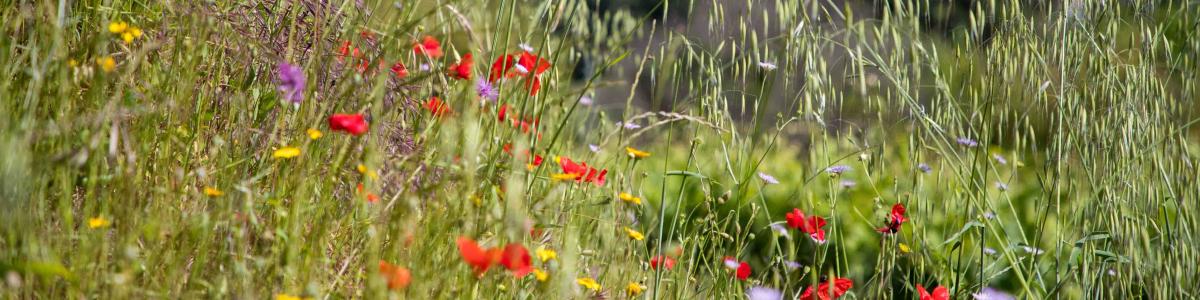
(282, 296)
(313, 133)
(545, 254)
(589, 283)
(106, 63)
(362, 169)
(636, 154)
(98, 222)
(634, 234)
(540, 275)
(72, 62)
(634, 288)
(630, 198)
(904, 248)
(212, 192)
(286, 152)
(117, 27)
(562, 177)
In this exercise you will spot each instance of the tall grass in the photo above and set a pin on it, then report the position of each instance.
(1082, 181)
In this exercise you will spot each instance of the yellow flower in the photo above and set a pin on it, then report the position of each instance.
(634, 234)
(630, 198)
(106, 63)
(634, 289)
(313, 133)
(557, 159)
(546, 254)
(540, 275)
(636, 154)
(560, 177)
(904, 248)
(589, 283)
(117, 27)
(282, 296)
(212, 192)
(72, 62)
(286, 152)
(365, 171)
(98, 222)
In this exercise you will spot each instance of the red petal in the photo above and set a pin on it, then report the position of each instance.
(743, 271)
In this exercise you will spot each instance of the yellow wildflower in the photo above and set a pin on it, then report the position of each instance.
(904, 248)
(313, 133)
(634, 288)
(545, 254)
(286, 152)
(634, 234)
(106, 63)
(282, 296)
(589, 283)
(72, 62)
(212, 192)
(540, 275)
(567, 176)
(117, 27)
(128, 33)
(98, 222)
(635, 153)
(630, 198)
(365, 171)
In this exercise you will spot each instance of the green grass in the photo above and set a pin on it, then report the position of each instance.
(1092, 108)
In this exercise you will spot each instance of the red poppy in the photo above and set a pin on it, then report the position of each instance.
(346, 50)
(399, 70)
(437, 107)
(428, 47)
(516, 259)
(480, 259)
(743, 271)
(662, 260)
(895, 218)
(372, 198)
(582, 172)
(537, 159)
(353, 124)
(524, 64)
(812, 225)
(940, 293)
(462, 69)
(839, 287)
(397, 277)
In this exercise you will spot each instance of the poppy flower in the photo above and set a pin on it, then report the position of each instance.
(741, 268)
(354, 124)
(940, 293)
(534, 163)
(808, 224)
(397, 277)
(478, 258)
(437, 107)
(429, 46)
(895, 218)
(462, 69)
(524, 64)
(399, 70)
(663, 261)
(582, 172)
(827, 290)
(516, 259)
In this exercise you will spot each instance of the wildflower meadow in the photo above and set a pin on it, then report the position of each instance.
(600, 149)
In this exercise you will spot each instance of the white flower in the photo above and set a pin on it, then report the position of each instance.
(526, 47)
(765, 65)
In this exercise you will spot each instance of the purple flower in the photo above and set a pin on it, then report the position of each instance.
(989, 251)
(791, 265)
(779, 228)
(992, 294)
(593, 147)
(486, 90)
(925, 168)
(291, 82)
(970, 143)
(629, 125)
(1000, 159)
(768, 178)
(763, 293)
(586, 100)
(837, 170)
(848, 183)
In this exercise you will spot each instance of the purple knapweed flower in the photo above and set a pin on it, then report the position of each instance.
(925, 168)
(848, 183)
(629, 125)
(586, 100)
(1000, 159)
(767, 178)
(486, 90)
(779, 228)
(291, 82)
(837, 170)
(992, 294)
(594, 147)
(791, 265)
(763, 293)
(970, 143)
